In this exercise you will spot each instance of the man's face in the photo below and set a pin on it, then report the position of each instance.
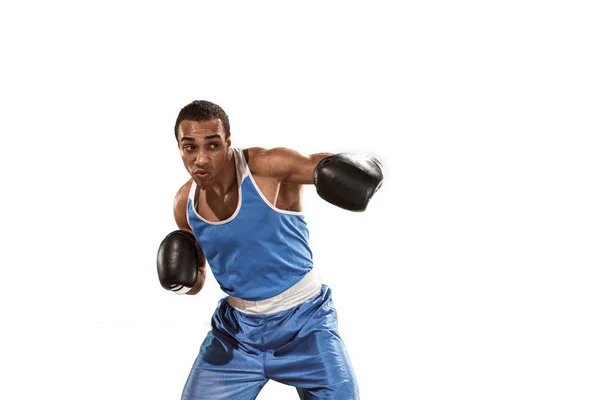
(203, 149)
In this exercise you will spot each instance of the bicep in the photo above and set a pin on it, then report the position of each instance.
(287, 165)
(180, 214)
(180, 208)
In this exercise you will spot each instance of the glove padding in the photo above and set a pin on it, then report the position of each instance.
(178, 261)
(348, 180)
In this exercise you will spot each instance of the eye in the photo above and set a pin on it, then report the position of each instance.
(213, 146)
(189, 147)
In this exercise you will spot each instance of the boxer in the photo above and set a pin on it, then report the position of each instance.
(241, 211)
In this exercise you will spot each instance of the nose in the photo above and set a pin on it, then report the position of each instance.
(201, 159)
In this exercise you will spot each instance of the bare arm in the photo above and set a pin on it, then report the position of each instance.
(180, 207)
(285, 164)
(180, 214)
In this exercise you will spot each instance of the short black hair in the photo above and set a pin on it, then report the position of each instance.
(202, 110)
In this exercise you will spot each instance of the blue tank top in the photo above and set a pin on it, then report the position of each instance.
(258, 252)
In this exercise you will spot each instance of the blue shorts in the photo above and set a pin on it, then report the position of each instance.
(300, 347)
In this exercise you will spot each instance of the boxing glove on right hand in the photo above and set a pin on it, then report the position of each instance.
(178, 261)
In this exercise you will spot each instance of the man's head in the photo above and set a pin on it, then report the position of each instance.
(202, 133)
(202, 110)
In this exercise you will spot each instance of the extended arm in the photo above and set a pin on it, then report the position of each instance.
(346, 180)
(285, 164)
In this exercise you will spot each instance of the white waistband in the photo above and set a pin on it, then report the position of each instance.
(307, 287)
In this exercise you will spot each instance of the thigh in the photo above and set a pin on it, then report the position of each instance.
(230, 364)
(315, 360)
(223, 370)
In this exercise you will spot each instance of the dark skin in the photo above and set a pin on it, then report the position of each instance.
(207, 156)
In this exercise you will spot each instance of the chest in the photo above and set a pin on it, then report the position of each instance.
(215, 208)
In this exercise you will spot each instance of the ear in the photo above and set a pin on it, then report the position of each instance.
(228, 142)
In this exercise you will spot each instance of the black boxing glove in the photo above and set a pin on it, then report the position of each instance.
(178, 261)
(348, 180)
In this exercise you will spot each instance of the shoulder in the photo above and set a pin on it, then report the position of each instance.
(262, 161)
(180, 206)
(183, 192)
(256, 158)
(253, 154)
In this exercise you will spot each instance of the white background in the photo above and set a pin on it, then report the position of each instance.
(472, 275)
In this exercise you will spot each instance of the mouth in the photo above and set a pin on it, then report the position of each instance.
(202, 174)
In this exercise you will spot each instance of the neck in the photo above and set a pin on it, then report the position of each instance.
(226, 180)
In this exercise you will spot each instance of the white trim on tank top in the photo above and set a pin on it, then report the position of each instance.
(242, 171)
(279, 210)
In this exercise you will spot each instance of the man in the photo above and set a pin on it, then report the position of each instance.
(241, 211)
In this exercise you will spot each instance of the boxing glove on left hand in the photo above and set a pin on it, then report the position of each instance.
(178, 261)
(348, 180)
